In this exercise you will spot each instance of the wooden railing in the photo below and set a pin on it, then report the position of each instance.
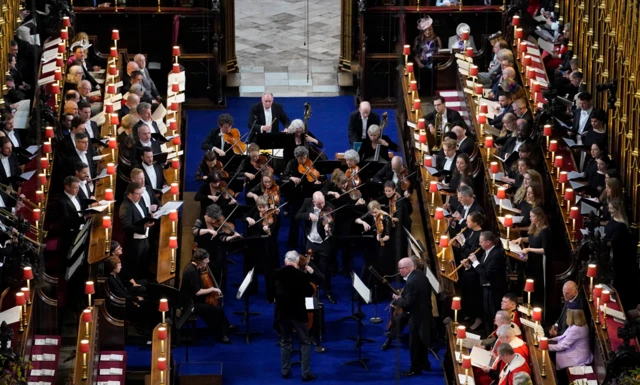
(85, 368)
(161, 349)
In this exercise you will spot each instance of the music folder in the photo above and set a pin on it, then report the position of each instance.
(273, 140)
(161, 157)
(159, 137)
(145, 220)
(326, 167)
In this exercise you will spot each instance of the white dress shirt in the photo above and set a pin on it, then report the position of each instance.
(486, 254)
(76, 203)
(222, 142)
(146, 198)
(465, 212)
(14, 140)
(85, 188)
(146, 229)
(6, 165)
(151, 172)
(83, 159)
(268, 117)
(584, 119)
(448, 163)
(150, 124)
(314, 236)
(518, 144)
(364, 127)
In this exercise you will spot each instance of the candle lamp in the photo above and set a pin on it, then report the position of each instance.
(605, 297)
(49, 134)
(547, 134)
(27, 295)
(557, 163)
(482, 120)
(27, 275)
(162, 336)
(568, 197)
(413, 88)
(87, 318)
(433, 189)
(174, 191)
(444, 243)
(406, 51)
(529, 288)
(36, 217)
(515, 21)
(173, 217)
(519, 35)
(409, 68)
(177, 141)
(455, 306)
(106, 224)
(89, 289)
(502, 194)
(108, 108)
(488, 144)
(562, 179)
(543, 344)
(113, 70)
(111, 89)
(508, 222)
(57, 75)
(421, 124)
(473, 72)
(108, 196)
(574, 214)
(113, 54)
(20, 301)
(493, 169)
(466, 365)
(553, 147)
(428, 162)
(84, 349)
(422, 139)
(469, 54)
(40, 198)
(175, 106)
(535, 88)
(66, 22)
(537, 317)
(417, 107)
(439, 215)
(163, 307)
(176, 68)
(162, 367)
(591, 273)
(173, 245)
(461, 333)
(597, 292)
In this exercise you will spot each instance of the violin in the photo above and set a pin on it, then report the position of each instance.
(393, 207)
(307, 170)
(302, 264)
(268, 219)
(352, 175)
(219, 168)
(273, 193)
(221, 225)
(403, 179)
(224, 189)
(234, 139)
(379, 219)
(327, 218)
(260, 163)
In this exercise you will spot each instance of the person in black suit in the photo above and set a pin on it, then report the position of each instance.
(466, 143)
(512, 144)
(319, 238)
(450, 118)
(9, 165)
(445, 161)
(71, 212)
(360, 121)
(144, 111)
(149, 198)
(265, 117)
(137, 77)
(153, 172)
(86, 188)
(9, 131)
(571, 293)
(522, 112)
(82, 153)
(136, 242)
(416, 300)
(466, 204)
(293, 286)
(91, 127)
(131, 106)
(491, 270)
(504, 98)
(145, 140)
(582, 116)
(394, 171)
(215, 141)
(147, 82)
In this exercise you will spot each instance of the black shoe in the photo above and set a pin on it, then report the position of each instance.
(320, 349)
(387, 344)
(387, 334)
(233, 328)
(224, 340)
(426, 368)
(330, 298)
(310, 377)
(286, 376)
(411, 373)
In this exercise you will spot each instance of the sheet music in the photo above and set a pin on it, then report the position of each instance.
(574, 175)
(435, 284)
(577, 185)
(512, 246)
(361, 288)
(480, 357)
(613, 313)
(245, 283)
(462, 379)
(49, 67)
(11, 315)
(27, 175)
(580, 370)
(177, 78)
(545, 45)
(159, 113)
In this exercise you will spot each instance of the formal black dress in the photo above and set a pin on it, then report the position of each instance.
(368, 151)
(262, 252)
(536, 266)
(381, 257)
(212, 315)
(596, 183)
(469, 279)
(625, 266)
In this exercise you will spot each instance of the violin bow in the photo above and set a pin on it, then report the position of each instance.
(224, 190)
(269, 211)
(227, 219)
(407, 177)
(333, 211)
(236, 142)
(383, 280)
(359, 171)
(355, 188)
(310, 167)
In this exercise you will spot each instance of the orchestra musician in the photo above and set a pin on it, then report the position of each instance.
(207, 166)
(395, 171)
(466, 204)
(398, 208)
(416, 300)
(532, 199)
(215, 141)
(376, 143)
(267, 188)
(265, 117)
(448, 117)
(319, 225)
(292, 288)
(317, 278)
(382, 256)
(302, 137)
(360, 121)
(194, 295)
(336, 190)
(253, 165)
(215, 191)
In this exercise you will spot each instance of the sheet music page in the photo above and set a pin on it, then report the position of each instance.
(480, 357)
(159, 113)
(361, 288)
(11, 315)
(545, 45)
(245, 283)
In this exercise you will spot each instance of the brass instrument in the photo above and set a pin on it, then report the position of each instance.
(11, 192)
(439, 133)
(8, 215)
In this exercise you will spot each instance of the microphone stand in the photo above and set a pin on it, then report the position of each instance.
(375, 319)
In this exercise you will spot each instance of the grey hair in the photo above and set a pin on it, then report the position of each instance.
(267, 93)
(505, 54)
(505, 350)
(466, 191)
(143, 106)
(503, 315)
(374, 130)
(300, 151)
(137, 88)
(295, 124)
(505, 331)
(352, 155)
(522, 378)
(74, 70)
(214, 211)
(292, 256)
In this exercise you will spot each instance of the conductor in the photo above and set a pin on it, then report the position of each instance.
(416, 301)
(265, 117)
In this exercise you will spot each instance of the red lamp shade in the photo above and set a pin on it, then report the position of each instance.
(113, 144)
(43, 179)
(46, 148)
(173, 242)
(531, 73)
(605, 297)
(162, 364)
(162, 333)
(529, 286)
(173, 215)
(175, 163)
(423, 137)
(113, 52)
(175, 106)
(87, 316)
(61, 48)
(111, 89)
(174, 188)
(55, 89)
(469, 52)
(597, 291)
(478, 89)
(177, 141)
(84, 346)
(519, 33)
(36, 215)
(569, 194)
(410, 68)
(89, 288)
(106, 222)
(176, 68)
(466, 362)
(508, 220)
(523, 46)
(26, 292)
(413, 86)
(537, 314)
(543, 343)
(416, 104)
(59, 62)
(482, 118)
(421, 124)
(176, 51)
(164, 305)
(113, 70)
(428, 163)
(444, 241)
(591, 270)
(488, 142)
(473, 70)
(111, 168)
(527, 60)
(64, 34)
(439, 214)
(115, 35)
(44, 162)
(553, 146)
(455, 304)
(493, 167)
(66, 22)
(406, 50)
(27, 272)
(433, 187)
(108, 108)
(462, 332)
(574, 213)
(57, 75)
(515, 21)
(114, 119)
(562, 178)
(464, 35)
(484, 108)
(40, 196)
(175, 87)
(108, 194)
(502, 193)
(547, 130)
(20, 299)
(48, 132)
(535, 87)
(173, 125)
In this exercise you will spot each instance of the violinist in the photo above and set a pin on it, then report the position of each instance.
(209, 236)
(336, 190)
(395, 171)
(300, 170)
(319, 225)
(192, 293)
(352, 159)
(381, 256)
(263, 220)
(209, 164)
(253, 165)
(215, 140)
(301, 137)
(267, 188)
(396, 205)
(215, 191)
(370, 145)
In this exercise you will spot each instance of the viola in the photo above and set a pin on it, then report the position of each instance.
(268, 219)
(352, 175)
(219, 168)
(234, 139)
(379, 219)
(307, 170)
(393, 207)
(260, 163)
(327, 218)
(403, 180)
(224, 190)
(273, 193)
(221, 225)
(208, 281)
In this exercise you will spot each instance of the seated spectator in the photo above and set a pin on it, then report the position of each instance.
(501, 53)
(522, 378)
(15, 73)
(74, 77)
(572, 347)
(147, 82)
(130, 107)
(72, 95)
(70, 107)
(456, 42)
(13, 96)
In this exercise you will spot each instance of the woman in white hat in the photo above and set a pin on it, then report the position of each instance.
(427, 43)
(456, 42)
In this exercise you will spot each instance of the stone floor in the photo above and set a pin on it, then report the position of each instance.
(271, 50)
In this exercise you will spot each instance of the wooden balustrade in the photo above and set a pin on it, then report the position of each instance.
(159, 377)
(85, 368)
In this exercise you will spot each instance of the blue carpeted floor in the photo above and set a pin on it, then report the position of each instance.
(259, 362)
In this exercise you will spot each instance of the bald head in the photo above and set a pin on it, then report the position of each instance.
(132, 101)
(460, 132)
(508, 73)
(132, 66)
(318, 199)
(365, 109)
(502, 318)
(569, 290)
(406, 266)
(396, 163)
(84, 88)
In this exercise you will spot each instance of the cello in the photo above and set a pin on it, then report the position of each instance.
(208, 281)
(304, 260)
(396, 311)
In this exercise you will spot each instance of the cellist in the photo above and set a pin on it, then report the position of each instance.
(193, 293)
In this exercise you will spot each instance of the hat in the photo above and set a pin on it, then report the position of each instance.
(425, 23)
(462, 27)
(83, 43)
(574, 305)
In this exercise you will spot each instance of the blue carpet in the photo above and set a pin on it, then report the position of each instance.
(329, 120)
(259, 362)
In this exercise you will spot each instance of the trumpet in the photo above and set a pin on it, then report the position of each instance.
(4, 213)
(461, 264)
(10, 191)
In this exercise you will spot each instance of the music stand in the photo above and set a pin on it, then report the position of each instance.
(246, 314)
(364, 292)
(274, 141)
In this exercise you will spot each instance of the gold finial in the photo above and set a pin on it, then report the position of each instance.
(570, 45)
(595, 48)
(585, 19)
(590, 32)
(605, 74)
(632, 78)
(581, 6)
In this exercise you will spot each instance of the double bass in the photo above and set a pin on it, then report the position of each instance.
(304, 260)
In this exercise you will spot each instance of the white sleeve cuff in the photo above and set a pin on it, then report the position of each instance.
(475, 264)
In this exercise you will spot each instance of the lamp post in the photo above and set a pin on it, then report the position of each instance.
(162, 336)
(439, 215)
(433, 189)
(547, 134)
(597, 292)
(605, 297)
(84, 349)
(20, 301)
(574, 214)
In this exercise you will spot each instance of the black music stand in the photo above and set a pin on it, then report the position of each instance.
(365, 294)
(274, 141)
(326, 167)
(246, 314)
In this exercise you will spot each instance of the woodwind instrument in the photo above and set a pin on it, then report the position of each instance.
(455, 239)
(462, 264)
